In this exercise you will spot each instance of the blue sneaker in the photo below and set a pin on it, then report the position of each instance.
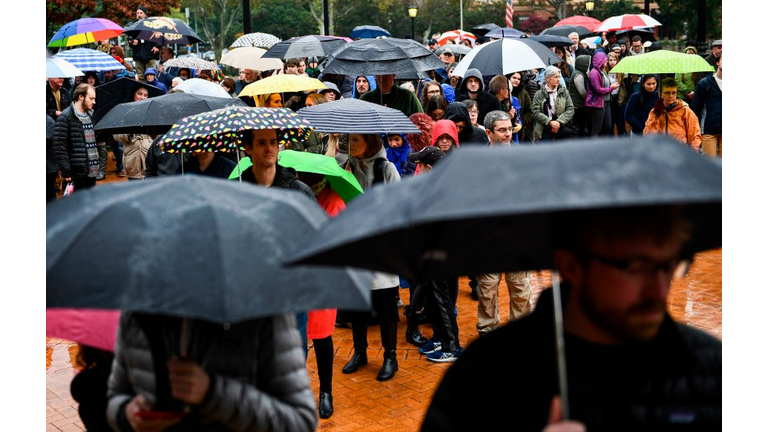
(440, 356)
(431, 346)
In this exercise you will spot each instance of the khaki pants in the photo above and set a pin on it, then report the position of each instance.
(519, 288)
(141, 65)
(712, 145)
(134, 158)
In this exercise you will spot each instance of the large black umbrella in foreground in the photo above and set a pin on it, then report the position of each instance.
(498, 209)
(155, 116)
(403, 57)
(436, 225)
(193, 247)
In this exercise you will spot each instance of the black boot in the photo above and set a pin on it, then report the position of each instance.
(412, 334)
(389, 341)
(325, 405)
(360, 340)
(389, 367)
(358, 359)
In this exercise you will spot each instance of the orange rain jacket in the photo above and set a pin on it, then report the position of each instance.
(680, 122)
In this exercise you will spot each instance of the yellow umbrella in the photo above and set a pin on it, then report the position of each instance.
(282, 83)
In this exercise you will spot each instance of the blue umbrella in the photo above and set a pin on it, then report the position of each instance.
(90, 59)
(368, 32)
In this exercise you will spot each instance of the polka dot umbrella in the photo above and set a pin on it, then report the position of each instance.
(662, 61)
(220, 130)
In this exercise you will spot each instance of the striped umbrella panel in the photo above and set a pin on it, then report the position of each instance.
(87, 59)
(84, 31)
(369, 118)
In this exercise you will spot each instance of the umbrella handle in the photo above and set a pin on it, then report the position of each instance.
(183, 344)
(239, 170)
(560, 344)
(181, 155)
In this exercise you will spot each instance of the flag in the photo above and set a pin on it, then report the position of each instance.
(510, 14)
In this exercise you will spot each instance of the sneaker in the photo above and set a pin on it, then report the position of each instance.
(444, 357)
(399, 303)
(431, 346)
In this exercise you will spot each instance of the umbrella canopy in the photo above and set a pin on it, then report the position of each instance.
(219, 130)
(552, 40)
(369, 118)
(199, 86)
(505, 32)
(305, 46)
(87, 59)
(250, 58)
(507, 55)
(121, 90)
(191, 246)
(255, 40)
(482, 29)
(191, 63)
(368, 32)
(282, 83)
(646, 34)
(156, 115)
(626, 22)
(580, 20)
(59, 68)
(93, 327)
(433, 226)
(402, 57)
(662, 61)
(457, 36)
(456, 49)
(342, 181)
(565, 30)
(85, 30)
(163, 31)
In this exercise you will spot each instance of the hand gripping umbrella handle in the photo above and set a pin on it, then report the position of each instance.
(560, 344)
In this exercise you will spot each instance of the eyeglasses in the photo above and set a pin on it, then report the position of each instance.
(474, 111)
(503, 130)
(676, 267)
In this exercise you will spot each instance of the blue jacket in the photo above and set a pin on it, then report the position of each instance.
(399, 156)
(709, 95)
(638, 107)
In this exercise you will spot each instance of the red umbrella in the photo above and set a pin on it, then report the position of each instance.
(456, 35)
(580, 20)
(93, 327)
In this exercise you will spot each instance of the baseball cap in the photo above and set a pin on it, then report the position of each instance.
(718, 42)
(428, 155)
(431, 41)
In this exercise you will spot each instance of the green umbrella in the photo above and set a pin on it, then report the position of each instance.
(343, 182)
(662, 61)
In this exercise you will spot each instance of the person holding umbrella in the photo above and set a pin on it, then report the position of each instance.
(627, 357)
(368, 162)
(672, 116)
(145, 52)
(135, 146)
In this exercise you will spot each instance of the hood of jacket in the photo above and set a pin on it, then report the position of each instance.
(457, 112)
(447, 127)
(471, 73)
(659, 107)
(599, 59)
(582, 63)
(450, 94)
(371, 83)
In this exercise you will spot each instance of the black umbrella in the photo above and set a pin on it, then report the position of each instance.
(454, 221)
(155, 116)
(118, 91)
(481, 30)
(505, 32)
(163, 31)
(552, 40)
(368, 118)
(403, 57)
(565, 30)
(435, 225)
(305, 46)
(191, 246)
(646, 34)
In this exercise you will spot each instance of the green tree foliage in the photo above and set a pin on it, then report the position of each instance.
(676, 13)
(217, 21)
(283, 18)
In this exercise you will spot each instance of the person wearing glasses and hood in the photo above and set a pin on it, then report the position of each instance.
(473, 88)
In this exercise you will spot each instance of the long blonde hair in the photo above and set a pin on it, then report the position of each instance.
(261, 100)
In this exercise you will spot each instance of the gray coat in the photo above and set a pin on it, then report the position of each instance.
(259, 381)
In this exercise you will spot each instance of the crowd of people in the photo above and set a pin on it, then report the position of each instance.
(578, 98)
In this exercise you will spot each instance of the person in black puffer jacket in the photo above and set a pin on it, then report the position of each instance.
(74, 140)
(468, 135)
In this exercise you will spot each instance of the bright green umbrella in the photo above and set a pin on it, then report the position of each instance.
(662, 61)
(343, 182)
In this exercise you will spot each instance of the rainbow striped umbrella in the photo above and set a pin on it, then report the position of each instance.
(84, 31)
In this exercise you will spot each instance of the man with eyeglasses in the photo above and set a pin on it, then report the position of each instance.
(630, 365)
(637, 46)
(672, 116)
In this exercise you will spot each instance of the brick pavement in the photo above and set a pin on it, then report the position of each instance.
(361, 402)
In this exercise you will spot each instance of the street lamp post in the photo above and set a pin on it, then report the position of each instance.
(412, 12)
(589, 5)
